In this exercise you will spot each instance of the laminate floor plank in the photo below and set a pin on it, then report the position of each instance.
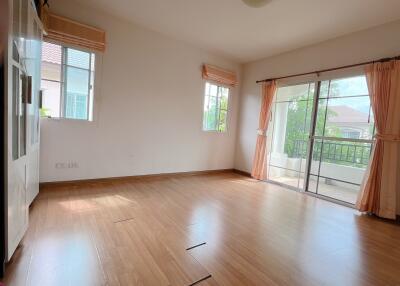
(136, 232)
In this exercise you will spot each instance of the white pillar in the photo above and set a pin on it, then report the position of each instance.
(280, 127)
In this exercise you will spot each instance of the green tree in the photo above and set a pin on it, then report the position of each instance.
(299, 124)
(44, 112)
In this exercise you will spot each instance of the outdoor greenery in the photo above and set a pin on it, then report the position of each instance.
(44, 112)
(298, 127)
(299, 122)
(215, 109)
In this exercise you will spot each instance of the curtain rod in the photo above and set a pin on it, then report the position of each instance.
(331, 69)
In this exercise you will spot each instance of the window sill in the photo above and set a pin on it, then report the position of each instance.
(215, 131)
(62, 119)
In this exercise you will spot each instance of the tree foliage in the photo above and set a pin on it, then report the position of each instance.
(299, 124)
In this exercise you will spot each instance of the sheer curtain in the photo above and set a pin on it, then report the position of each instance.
(381, 184)
(259, 170)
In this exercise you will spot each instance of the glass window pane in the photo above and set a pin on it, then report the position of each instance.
(324, 89)
(213, 90)
(288, 144)
(15, 52)
(292, 123)
(15, 107)
(51, 71)
(76, 106)
(22, 130)
(222, 121)
(16, 18)
(92, 62)
(338, 190)
(224, 92)
(291, 128)
(224, 102)
(22, 117)
(294, 92)
(211, 113)
(51, 53)
(72, 72)
(24, 19)
(76, 93)
(207, 89)
(349, 118)
(352, 86)
(339, 168)
(77, 80)
(284, 176)
(36, 86)
(78, 58)
(51, 99)
(321, 113)
(215, 108)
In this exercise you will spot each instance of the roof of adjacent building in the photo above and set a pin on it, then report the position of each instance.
(345, 114)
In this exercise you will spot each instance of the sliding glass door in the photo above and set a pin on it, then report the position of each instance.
(321, 137)
(291, 117)
(342, 140)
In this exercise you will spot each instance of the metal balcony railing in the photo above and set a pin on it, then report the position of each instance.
(348, 153)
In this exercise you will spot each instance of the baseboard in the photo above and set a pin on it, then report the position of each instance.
(150, 176)
(240, 172)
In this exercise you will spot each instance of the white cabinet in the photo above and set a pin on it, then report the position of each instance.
(22, 106)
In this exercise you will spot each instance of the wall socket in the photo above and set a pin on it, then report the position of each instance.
(67, 165)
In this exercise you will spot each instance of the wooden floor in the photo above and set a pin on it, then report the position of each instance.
(136, 232)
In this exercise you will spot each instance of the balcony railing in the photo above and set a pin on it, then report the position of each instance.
(348, 153)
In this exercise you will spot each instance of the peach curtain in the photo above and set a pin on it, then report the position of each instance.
(259, 170)
(381, 183)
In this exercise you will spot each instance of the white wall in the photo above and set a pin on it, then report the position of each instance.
(148, 109)
(376, 43)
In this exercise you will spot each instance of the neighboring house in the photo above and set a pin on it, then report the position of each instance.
(352, 123)
(76, 106)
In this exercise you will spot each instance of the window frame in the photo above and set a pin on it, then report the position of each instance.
(63, 82)
(227, 107)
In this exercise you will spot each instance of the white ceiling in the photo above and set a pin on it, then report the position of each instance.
(235, 30)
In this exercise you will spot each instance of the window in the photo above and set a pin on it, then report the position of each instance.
(215, 108)
(67, 82)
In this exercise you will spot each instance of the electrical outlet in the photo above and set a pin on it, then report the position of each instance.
(60, 165)
(67, 165)
(73, 165)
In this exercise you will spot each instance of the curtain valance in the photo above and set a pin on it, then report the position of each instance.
(64, 30)
(219, 75)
